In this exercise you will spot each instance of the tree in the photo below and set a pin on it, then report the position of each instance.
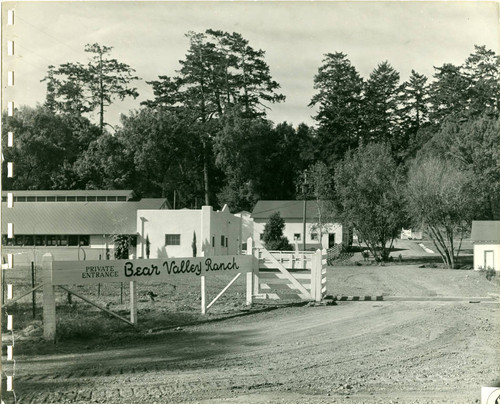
(148, 246)
(75, 88)
(273, 234)
(45, 149)
(321, 189)
(381, 103)
(441, 201)
(413, 114)
(122, 245)
(482, 71)
(472, 144)
(193, 244)
(368, 188)
(448, 92)
(162, 149)
(339, 94)
(220, 71)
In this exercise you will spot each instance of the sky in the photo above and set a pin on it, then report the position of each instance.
(149, 36)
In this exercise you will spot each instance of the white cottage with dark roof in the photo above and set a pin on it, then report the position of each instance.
(486, 238)
(293, 214)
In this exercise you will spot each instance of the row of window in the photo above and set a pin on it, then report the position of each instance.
(46, 240)
(175, 239)
(63, 198)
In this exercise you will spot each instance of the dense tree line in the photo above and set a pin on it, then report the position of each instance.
(205, 135)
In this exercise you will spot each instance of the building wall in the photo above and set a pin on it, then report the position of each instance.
(479, 255)
(209, 227)
(155, 224)
(24, 255)
(293, 226)
(225, 231)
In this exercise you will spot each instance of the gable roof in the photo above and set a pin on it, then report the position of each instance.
(287, 209)
(76, 217)
(485, 230)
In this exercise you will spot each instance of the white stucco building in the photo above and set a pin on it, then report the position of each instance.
(486, 238)
(172, 233)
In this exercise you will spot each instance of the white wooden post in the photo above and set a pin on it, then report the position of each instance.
(255, 267)
(133, 302)
(314, 276)
(249, 295)
(318, 266)
(49, 301)
(203, 296)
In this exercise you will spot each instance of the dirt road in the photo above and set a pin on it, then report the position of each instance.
(365, 352)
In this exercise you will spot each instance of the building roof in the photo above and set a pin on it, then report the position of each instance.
(485, 230)
(76, 217)
(72, 192)
(287, 209)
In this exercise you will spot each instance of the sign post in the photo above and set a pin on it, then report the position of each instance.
(49, 301)
(133, 302)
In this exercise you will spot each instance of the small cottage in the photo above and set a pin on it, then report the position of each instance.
(486, 239)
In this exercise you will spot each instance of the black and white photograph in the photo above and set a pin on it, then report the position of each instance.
(250, 202)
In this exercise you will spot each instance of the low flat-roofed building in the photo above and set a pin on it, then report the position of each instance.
(80, 226)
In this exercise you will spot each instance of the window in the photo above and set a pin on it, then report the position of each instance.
(91, 198)
(4, 199)
(222, 238)
(314, 236)
(51, 240)
(39, 240)
(84, 240)
(61, 199)
(62, 240)
(227, 242)
(213, 241)
(101, 198)
(261, 236)
(172, 239)
(121, 198)
(80, 199)
(41, 198)
(71, 198)
(19, 240)
(30, 199)
(28, 240)
(296, 236)
(51, 199)
(73, 240)
(21, 199)
(111, 198)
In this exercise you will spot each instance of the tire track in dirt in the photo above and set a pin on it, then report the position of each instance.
(344, 350)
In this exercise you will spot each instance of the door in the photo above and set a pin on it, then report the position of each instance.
(489, 259)
(331, 240)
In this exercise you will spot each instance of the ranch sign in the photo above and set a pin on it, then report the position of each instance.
(91, 272)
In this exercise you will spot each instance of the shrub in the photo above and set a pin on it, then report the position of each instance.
(489, 271)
